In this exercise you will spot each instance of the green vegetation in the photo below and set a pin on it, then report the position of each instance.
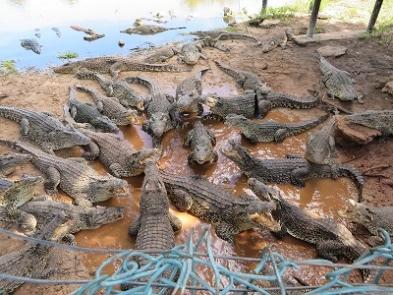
(7, 67)
(68, 55)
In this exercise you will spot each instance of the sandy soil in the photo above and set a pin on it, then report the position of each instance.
(294, 70)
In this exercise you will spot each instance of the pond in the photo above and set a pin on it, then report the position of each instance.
(20, 19)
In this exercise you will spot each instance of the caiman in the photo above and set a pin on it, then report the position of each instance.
(73, 176)
(10, 160)
(114, 87)
(281, 100)
(332, 239)
(339, 83)
(270, 131)
(201, 141)
(160, 110)
(112, 108)
(246, 80)
(321, 146)
(148, 29)
(117, 155)
(115, 64)
(379, 120)
(291, 169)
(44, 129)
(82, 112)
(214, 204)
(372, 218)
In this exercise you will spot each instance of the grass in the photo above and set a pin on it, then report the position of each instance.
(68, 55)
(7, 67)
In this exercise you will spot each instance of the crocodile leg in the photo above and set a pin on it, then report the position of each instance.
(298, 176)
(183, 202)
(24, 127)
(226, 231)
(330, 249)
(117, 170)
(93, 152)
(135, 226)
(52, 181)
(175, 223)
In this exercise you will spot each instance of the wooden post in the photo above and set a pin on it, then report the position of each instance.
(374, 15)
(313, 19)
(264, 6)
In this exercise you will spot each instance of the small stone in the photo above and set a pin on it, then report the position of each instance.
(388, 88)
(332, 50)
(121, 43)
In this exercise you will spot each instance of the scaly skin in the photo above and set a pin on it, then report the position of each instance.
(224, 35)
(191, 52)
(160, 110)
(280, 100)
(292, 169)
(245, 105)
(117, 88)
(272, 42)
(112, 108)
(320, 146)
(73, 176)
(338, 83)
(10, 160)
(44, 129)
(161, 54)
(332, 239)
(212, 203)
(379, 120)
(201, 141)
(246, 80)
(117, 155)
(148, 29)
(271, 131)
(87, 113)
(372, 218)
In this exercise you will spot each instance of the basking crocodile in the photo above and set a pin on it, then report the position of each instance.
(31, 44)
(114, 64)
(73, 176)
(338, 83)
(321, 146)
(272, 42)
(161, 54)
(246, 80)
(87, 113)
(280, 100)
(245, 105)
(292, 169)
(201, 141)
(370, 217)
(224, 35)
(10, 160)
(44, 129)
(117, 155)
(112, 108)
(212, 203)
(379, 120)
(14, 194)
(188, 94)
(141, 29)
(332, 239)
(271, 131)
(160, 110)
(117, 88)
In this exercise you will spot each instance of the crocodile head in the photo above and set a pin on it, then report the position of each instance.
(21, 191)
(28, 223)
(100, 215)
(235, 120)
(158, 124)
(202, 154)
(362, 214)
(71, 137)
(137, 161)
(190, 54)
(264, 192)
(188, 103)
(235, 152)
(128, 118)
(102, 190)
(7, 161)
(105, 124)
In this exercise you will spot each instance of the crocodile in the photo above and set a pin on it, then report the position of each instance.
(272, 42)
(10, 160)
(245, 105)
(246, 80)
(281, 100)
(332, 239)
(31, 44)
(339, 83)
(161, 55)
(370, 217)
(87, 113)
(271, 131)
(115, 64)
(201, 141)
(117, 88)
(112, 108)
(13, 194)
(44, 129)
(291, 169)
(321, 146)
(117, 155)
(379, 120)
(224, 35)
(73, 176)
(149, 29)
(214, 204)
(188, 94)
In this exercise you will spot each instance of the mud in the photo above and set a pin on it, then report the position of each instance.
(294, 70)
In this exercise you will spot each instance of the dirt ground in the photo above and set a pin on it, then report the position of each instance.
(294, 70)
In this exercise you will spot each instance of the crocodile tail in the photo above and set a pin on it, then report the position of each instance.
(19, 146)
(11, 113)
(350, 172)
(90, 91)
(141, 81)
(227, 70)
